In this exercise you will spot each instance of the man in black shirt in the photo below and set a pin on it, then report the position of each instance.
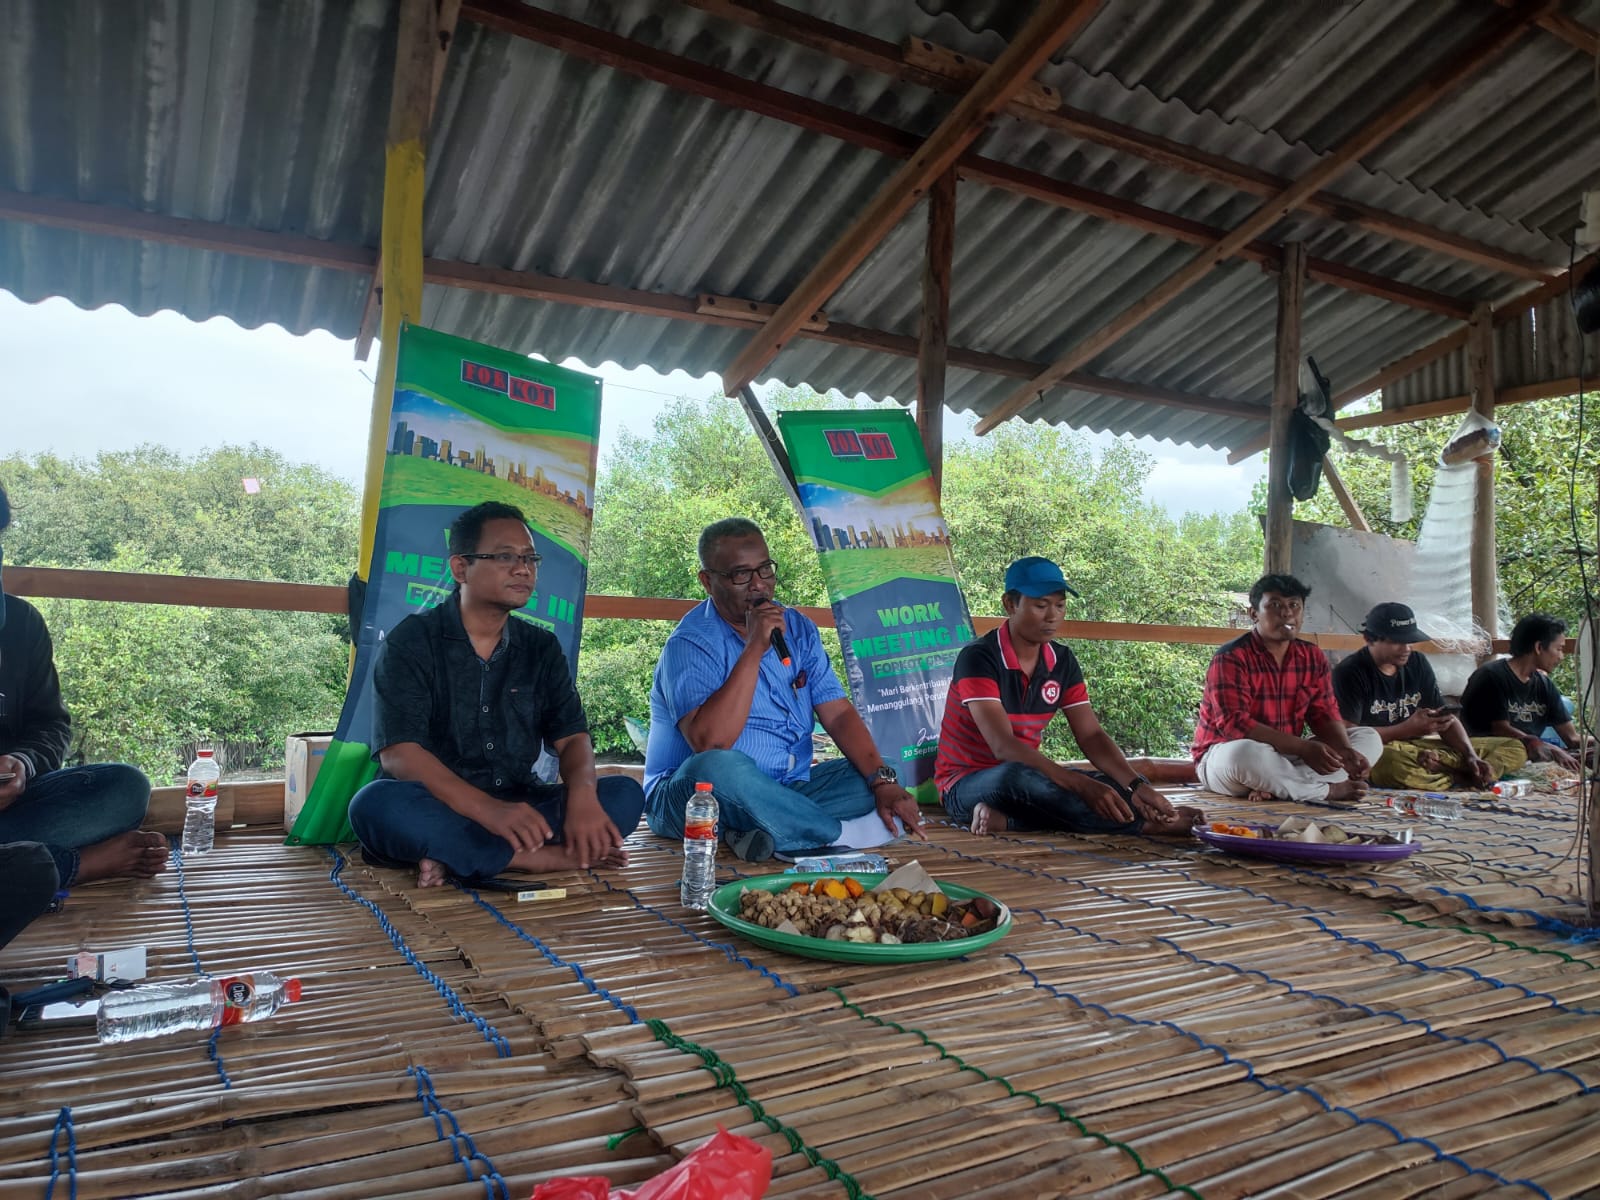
(465, 698)
(1391, 688)
(59, 825)
(1513, 697)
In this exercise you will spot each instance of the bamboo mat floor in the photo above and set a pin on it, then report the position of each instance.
(1163, 1020)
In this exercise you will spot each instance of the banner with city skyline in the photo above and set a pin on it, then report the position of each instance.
(469, 423)
(874, 518)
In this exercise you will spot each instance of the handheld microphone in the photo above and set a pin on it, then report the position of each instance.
(778, 644)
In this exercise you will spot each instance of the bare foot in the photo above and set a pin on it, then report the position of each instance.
(431, 873)
(987, 820)
(135, 854)
(1347, 792)
(1428, 760)
(1184, 818)
(614, 857)
(556, 858)
(1260, 796)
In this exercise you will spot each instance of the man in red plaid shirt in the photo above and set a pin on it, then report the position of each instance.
(1262, 691)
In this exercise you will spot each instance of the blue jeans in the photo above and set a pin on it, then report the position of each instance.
(1030, 800)
(27, 885)
(399, 822)
(76, 807)
(799, 817)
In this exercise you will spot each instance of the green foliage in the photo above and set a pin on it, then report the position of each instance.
(144, 682)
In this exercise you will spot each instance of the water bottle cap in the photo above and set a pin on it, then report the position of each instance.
(291, 991)
(206, 753)
(702, 787)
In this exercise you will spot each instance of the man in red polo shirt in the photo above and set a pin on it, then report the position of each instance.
(1007, 687)
(1262, 691)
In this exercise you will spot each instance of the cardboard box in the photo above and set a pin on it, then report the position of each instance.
(302, 759)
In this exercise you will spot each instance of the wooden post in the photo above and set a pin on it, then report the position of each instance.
(933, 342)
(1586, 729)
(405, 160)
(1352, 510)
(773, 445)
(1285, 397)
(1485, 589)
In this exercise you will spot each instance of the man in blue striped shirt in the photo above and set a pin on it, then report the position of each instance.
(727, 708)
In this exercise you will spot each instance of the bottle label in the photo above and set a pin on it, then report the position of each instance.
(237, 993)
(701, 830)
(198, 789)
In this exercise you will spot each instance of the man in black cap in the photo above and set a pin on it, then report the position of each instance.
(1389, 687)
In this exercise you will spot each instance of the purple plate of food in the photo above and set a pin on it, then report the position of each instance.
(1296, 844)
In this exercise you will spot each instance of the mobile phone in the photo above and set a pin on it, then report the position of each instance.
(1448, 710)
(61, 1014)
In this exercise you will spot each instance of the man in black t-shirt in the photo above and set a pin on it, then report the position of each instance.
(1007, 686)
(1513, 697)
(1391, 688)
(464, 698)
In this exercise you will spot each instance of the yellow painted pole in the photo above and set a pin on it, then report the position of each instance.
(404, 178)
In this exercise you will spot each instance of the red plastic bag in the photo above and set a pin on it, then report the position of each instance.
(723, 1167)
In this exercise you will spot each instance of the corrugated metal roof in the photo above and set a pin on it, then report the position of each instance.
(272, 116)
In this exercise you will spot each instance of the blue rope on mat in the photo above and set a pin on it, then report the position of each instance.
(493, 1185)
(212, 1052)
(727, 949)
(457, 1006)
(63, 1126)
(554, 959)
(1307, 911)
(1250, 1076)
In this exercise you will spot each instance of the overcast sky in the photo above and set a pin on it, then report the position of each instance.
(76, 383)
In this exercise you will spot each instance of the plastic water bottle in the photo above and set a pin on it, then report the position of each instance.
(1431, 806)
(200, 821)
(161, 1008)
(699, 848)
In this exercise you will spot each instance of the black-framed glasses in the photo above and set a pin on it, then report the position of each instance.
(740, 576)
(506, 559)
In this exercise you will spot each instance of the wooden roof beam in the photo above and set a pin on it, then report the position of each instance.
(1401, 367)
(108, 220)
(1502, 31)
(926, 65)
(446, 13)
(1573, 32)
(609, 50)
(1052, 23)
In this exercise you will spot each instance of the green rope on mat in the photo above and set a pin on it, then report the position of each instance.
(1061, 1113)
(727, 1079)
(1499, 941)
(617, 1139)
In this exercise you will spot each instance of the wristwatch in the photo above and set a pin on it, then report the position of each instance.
(1137, 782)
(884, 774)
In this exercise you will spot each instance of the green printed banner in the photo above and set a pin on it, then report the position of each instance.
(885, 550)
(469, 423)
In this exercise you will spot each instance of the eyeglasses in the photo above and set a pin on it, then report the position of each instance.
(741, 575)
(505, 558)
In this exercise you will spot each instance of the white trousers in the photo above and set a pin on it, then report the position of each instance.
(1239, 768)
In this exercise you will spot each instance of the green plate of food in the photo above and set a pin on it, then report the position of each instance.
(849, 922)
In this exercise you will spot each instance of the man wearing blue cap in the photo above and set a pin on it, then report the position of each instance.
(1008, 685)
